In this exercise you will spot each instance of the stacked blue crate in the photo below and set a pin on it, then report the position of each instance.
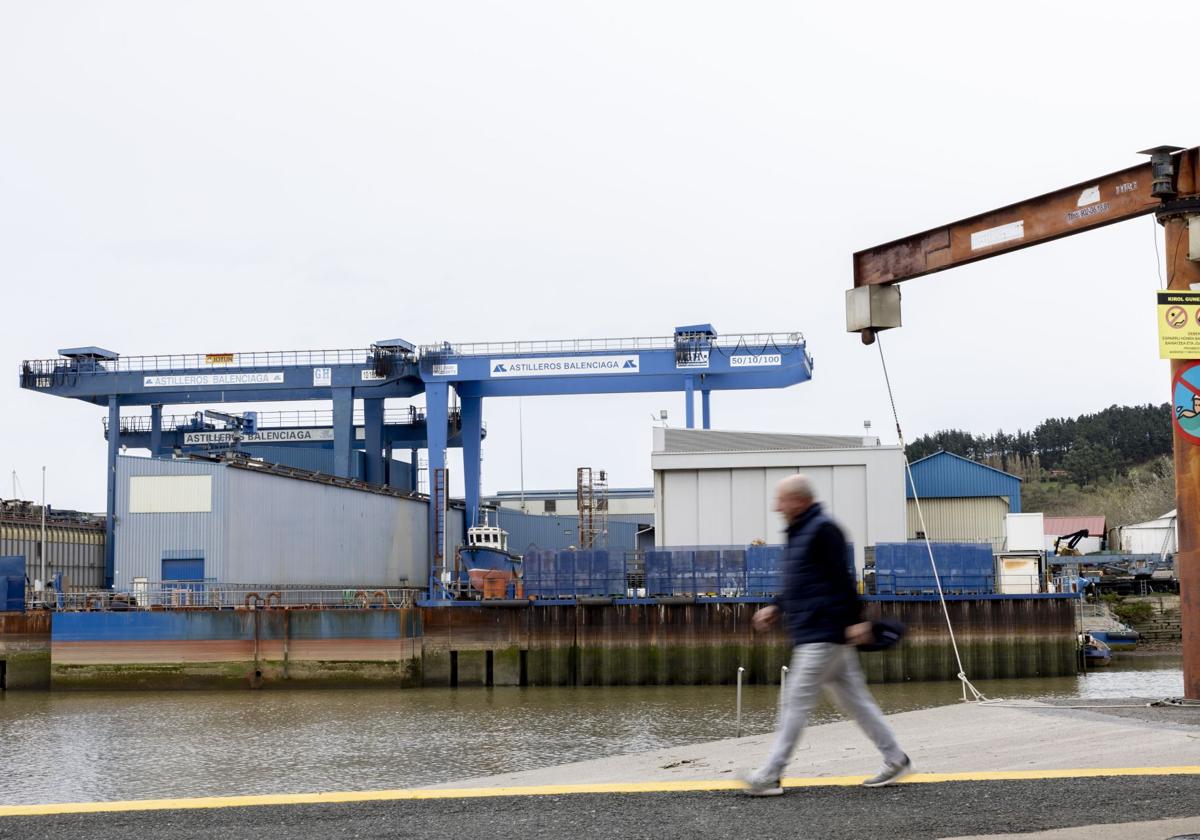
(531, 572)
(964, 568)
(763, 569)
(683, 572)
(658, 572)
(732, 577)
(706, 566)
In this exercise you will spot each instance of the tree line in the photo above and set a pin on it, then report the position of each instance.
(1083, 450)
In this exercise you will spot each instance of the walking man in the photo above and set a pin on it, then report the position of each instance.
(820, 608)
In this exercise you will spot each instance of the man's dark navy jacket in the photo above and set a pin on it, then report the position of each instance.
(819, 598)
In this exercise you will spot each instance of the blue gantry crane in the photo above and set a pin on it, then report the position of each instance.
(694, 358)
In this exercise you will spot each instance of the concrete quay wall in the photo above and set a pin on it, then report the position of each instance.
(24, 650)
(532, 644)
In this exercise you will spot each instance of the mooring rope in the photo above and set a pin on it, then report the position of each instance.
(977, 695)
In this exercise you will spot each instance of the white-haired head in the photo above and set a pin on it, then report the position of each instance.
(793, 496)
(797, 486)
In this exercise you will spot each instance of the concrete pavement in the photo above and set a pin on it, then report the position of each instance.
(966, 738)
(983, 772)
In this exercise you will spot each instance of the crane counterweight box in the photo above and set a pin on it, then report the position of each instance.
(872, 308)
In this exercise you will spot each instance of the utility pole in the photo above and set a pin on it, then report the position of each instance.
(1167, 186)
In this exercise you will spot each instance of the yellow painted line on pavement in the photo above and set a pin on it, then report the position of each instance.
(677, 786)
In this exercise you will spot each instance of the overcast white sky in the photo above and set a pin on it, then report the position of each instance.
(187, 177)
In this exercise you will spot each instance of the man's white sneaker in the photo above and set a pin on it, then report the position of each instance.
(757, 785)
(890, 773)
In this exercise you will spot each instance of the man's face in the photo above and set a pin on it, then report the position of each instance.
(791, 505)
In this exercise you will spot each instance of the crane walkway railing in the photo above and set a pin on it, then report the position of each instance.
(749, 342)
(208, 362)
(762, 342)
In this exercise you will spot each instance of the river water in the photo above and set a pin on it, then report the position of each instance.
(66, 747)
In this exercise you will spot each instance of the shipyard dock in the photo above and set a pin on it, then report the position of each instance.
(533, 643)
(982, 771)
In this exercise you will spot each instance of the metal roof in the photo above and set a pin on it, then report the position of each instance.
(1058, 526)
(945, 475)
(570, 493)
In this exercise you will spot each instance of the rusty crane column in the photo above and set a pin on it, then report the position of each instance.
(1182, 273)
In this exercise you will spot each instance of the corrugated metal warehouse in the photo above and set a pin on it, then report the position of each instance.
(74, 547)
(235, 524)
(962, 501)
(717, 488)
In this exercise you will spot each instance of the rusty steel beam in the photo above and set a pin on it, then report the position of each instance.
(1084, 206)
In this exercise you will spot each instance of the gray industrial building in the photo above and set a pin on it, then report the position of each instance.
(227, 522)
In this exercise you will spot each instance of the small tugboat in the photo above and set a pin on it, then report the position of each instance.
(488, 565)
(1095, 652)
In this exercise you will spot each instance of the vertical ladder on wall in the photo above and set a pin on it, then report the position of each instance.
(437, 498)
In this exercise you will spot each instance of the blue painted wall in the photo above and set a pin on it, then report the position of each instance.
(232, 625)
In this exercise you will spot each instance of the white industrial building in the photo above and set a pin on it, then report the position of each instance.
(717, 488)
(1158, 536)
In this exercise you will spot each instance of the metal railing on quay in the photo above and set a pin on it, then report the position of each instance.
(698, 572)
(875, 583)
(186, 595)
(754, 571)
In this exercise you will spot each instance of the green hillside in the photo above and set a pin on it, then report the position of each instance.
(1116, 462)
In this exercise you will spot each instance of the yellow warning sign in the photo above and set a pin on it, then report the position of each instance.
(1179, 325)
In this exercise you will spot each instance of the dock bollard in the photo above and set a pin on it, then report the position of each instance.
(739, 701)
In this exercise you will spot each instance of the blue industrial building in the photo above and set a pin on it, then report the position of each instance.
(961, 500)
(944, 475)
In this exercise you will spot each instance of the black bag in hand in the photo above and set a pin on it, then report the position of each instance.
(887, 632)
